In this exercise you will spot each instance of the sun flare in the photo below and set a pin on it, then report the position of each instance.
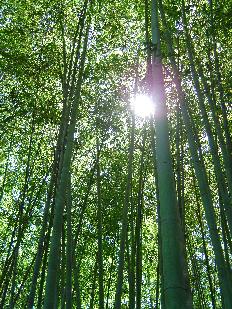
(142, 106)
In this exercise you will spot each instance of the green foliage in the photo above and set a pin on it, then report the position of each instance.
(36, 39)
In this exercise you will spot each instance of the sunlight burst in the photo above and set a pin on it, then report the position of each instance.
(142, 106)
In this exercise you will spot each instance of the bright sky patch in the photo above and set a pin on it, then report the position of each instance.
(142, 105)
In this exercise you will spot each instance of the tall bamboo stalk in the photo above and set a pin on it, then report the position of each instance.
(123, 237)
(61, 191)
(201, 175)
(99, 229)
(174, 263)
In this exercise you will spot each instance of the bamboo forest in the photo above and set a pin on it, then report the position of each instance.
(115, 154)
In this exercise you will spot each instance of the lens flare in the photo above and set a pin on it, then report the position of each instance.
(142, 106)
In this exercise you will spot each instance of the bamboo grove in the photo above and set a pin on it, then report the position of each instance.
(100, 207)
